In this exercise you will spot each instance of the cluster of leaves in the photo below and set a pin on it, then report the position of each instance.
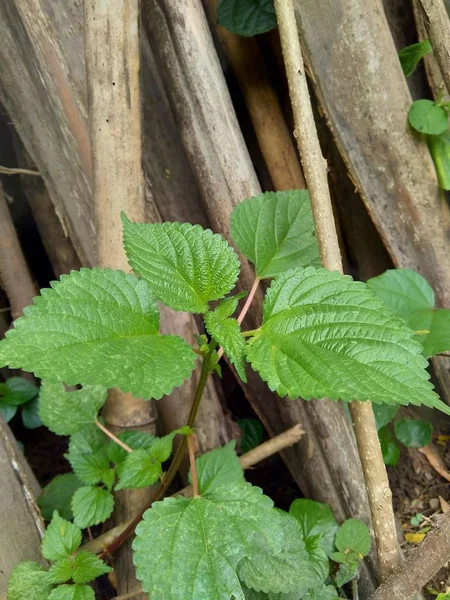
(18, 392)
(428, 117)
(240, 546)
(99, 464)
(71, 569)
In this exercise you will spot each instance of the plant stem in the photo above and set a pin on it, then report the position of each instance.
(191, 452)
(113, 437)
(249, 300)
(314, 166)
(355, 589)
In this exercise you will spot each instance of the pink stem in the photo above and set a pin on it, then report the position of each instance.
(113, 437)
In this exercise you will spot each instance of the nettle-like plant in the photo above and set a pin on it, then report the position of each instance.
(322, 335)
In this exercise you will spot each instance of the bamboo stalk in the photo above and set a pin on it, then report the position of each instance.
(437, 23)
(314, 165)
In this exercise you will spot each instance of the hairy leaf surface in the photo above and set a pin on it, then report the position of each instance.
(28, 581)
(60, 539)
(226, 331)
(99, 327)
(139, 469)
(88, 455)
(275, 230)
(72, 592)
(324, 335)
(185, 265)
(91, 506)
(218, 467)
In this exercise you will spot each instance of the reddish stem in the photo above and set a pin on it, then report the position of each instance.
(191, 452)
(113, 437)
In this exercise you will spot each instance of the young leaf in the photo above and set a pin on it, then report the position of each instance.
(28, 581)
(65, 412)
(61, 571)
(17, 390)
(139, 469)
(276, 231)
(99, 327)
(72, 592)
(60, 539)
(134, 439)
(315, 519)
(439, 146)
(87, 567)
(30, 414)
(88, 455)
(324, 335)
(219, 529)
(247, 17)
(353, 535)
(91, 506)
(412, 55)
(57, 495)
(389, 446)
(218, 467)
(227, 333)
(428, 117)
(414, 433)
(346, 572)
(162, 447)
(384, 413)
(227, 307)
(185, 265)
(252, 434)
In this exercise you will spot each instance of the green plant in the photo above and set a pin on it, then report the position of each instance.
(247, 17)
(322, 334)
(429, 117)
(252, 434)
(18, 392)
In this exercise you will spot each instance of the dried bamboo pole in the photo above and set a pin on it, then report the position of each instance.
(437, 24)
(380, 496)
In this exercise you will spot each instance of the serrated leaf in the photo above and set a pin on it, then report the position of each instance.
(57, 495)
(353, 535)
(28, 581)
(414, 433)
(99, 327)
(390, 448)
(227, 333)
(65, 412)
(61, 571)
(72, 592)
(252, 434)
(428, 117)
(17, 390)
(88, 455)
(227, 307)
(87, 567)
(139, 469)
(60, 539)
(134, 439)
(275, 230)
(412, 55)
(219, 529)
(30, 414)
(91, 506)
(247, 17)
(324, 335)
(384, 413)
(218, 467)
(162, 447)
(185, 265)
(314, 519)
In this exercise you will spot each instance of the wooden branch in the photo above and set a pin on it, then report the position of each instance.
(8, 171)
(112, 61)
(14, 272)
(380, 496)
(264, 108)
(437, 23)
(420, 566)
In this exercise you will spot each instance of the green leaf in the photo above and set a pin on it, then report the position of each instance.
(414, 433)
(346, 572)
(7, 412)
(139, 469)
(88, 455)
(218, 467)
(60, 539)
(325, 593)
(61, 571)
(17, 390)
(30, 414)
(99, 327)
(314, 519)
(134, 439)
(324, 335)
(439, 146)
(87, 567)
(428, 117)
(384, 413)
(389, 446)
(91, 506)
(227, 333)
(227, 307)
(72, 592)
(433, 327)
(185, 265)
(162, 447)
(57, 495)
(412, 55)
(219, 530)
(247, 17)
(66, 412)
(276, 232)
(353, 535)
(251, 434)
(28, 581)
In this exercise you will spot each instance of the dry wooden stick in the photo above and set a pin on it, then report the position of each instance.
(14, 272)
(263, 106)
(437, 24)
(432, 554)
(314, 166)
(9, 171)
